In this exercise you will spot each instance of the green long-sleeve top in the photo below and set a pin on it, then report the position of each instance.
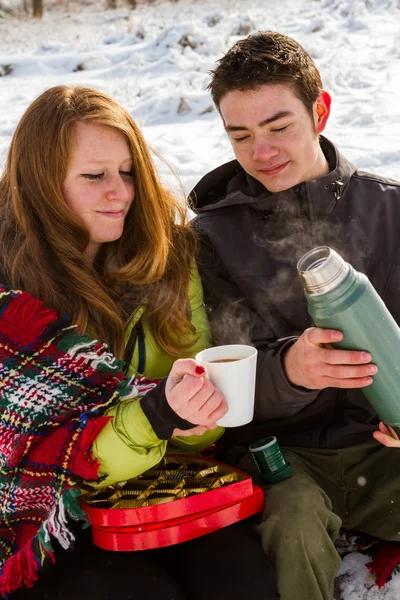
(128, 445)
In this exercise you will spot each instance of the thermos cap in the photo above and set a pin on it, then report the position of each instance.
(270, 461)
(321, 270)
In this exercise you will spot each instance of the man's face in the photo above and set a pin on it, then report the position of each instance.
(273, 135)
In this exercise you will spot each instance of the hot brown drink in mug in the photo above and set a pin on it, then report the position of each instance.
(235, 381)
(224, 360)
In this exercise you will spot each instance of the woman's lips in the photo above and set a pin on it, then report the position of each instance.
(112, 214)
(273, 170)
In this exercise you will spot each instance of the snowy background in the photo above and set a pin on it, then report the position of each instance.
(155, 59)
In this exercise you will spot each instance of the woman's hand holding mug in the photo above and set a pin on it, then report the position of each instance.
(193, 397)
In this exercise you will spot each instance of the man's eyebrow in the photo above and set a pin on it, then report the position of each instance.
(275, 117)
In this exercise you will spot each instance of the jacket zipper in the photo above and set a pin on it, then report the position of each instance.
(136, 337)
(336, 189)
(305, 217)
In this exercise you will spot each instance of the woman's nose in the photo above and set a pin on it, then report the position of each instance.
(119, 188)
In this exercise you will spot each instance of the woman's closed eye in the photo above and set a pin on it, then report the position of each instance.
(126, 173)
(93, 176)
(100, 176)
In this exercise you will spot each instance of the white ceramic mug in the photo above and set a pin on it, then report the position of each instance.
(232, 369)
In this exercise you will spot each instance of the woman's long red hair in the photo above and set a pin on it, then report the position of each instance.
(43, 243)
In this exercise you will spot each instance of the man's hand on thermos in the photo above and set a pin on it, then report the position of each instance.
(311, 363)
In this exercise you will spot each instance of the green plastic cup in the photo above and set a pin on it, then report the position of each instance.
(270, 461)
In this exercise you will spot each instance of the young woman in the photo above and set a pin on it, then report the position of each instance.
(87, 229)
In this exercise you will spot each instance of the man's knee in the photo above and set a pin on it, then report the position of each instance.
(299, 507)
(297, 496)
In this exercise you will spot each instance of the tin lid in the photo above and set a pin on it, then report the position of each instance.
(321, 270)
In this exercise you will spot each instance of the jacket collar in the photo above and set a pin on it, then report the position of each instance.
(230, 185)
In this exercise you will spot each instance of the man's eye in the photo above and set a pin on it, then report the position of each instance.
(280, 129)
(93, 176)
(241, 139)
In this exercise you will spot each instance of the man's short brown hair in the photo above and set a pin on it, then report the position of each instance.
(266, 58)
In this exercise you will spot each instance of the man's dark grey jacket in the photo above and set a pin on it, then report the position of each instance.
(250, 242)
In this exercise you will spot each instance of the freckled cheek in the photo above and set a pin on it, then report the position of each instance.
(130, 191)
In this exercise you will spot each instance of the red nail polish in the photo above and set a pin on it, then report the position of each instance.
(200, 370)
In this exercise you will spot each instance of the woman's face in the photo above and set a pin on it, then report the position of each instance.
(98, 186)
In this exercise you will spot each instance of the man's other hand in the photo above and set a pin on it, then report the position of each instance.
(383, 436)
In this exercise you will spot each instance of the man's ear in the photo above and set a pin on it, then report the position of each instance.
(323, 110)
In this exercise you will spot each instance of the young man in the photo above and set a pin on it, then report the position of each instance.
(289, 191)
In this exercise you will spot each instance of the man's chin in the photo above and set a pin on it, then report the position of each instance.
(274, 185)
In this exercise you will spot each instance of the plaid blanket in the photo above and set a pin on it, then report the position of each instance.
(55, 383)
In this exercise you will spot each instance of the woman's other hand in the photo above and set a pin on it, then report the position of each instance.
(193, 397)
(198, 430)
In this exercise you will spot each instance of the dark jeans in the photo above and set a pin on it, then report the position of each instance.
(227, 564)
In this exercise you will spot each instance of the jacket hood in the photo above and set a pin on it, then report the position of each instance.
(230, 185)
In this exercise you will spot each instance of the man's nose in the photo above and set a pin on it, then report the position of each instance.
(263, 150)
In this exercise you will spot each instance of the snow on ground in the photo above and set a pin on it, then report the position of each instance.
(355, 583)
(155, 60)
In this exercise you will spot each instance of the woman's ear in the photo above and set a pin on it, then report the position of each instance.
(323, 110)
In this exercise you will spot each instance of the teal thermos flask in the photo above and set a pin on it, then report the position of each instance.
(339, 297)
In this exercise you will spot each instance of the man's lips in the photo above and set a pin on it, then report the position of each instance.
(273, 170)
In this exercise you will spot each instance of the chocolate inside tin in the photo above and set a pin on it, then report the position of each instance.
(172, 479)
